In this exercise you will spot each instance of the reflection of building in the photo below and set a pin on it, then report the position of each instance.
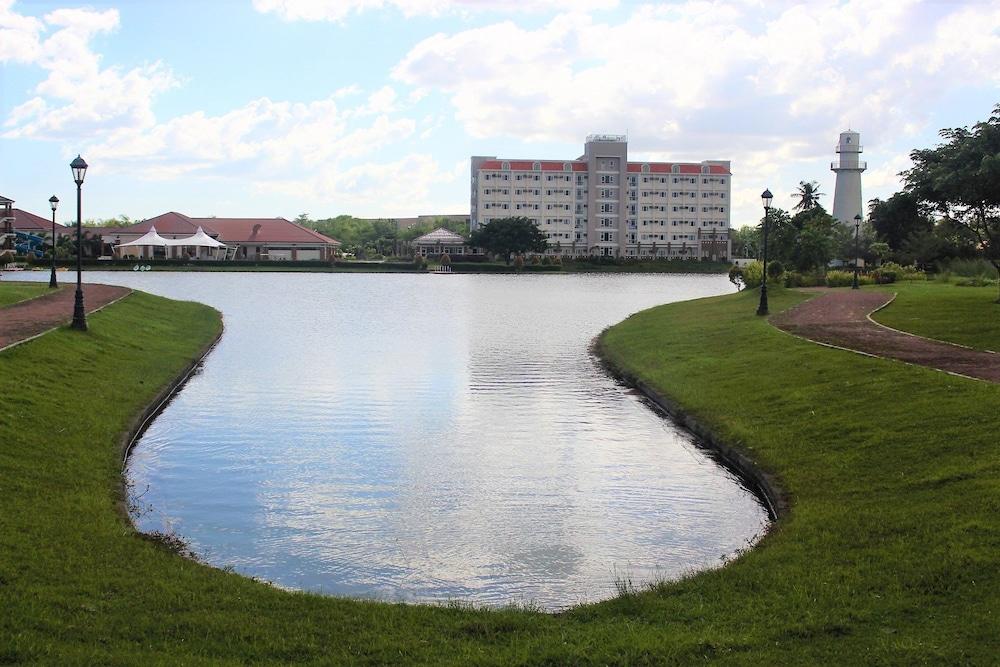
(247, 238)
(602, 204)
(442, 242)
(847, 193)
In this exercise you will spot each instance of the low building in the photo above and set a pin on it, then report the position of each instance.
(246, 238)
(442, 242)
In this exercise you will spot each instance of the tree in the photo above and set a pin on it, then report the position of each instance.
(898, 217)
(507, 236)
(808, 194)
(746, 242)
(960, 180)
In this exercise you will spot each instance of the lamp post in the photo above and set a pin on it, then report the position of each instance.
(79, 168)
(53, 202)
(766, 197)
(857, 250)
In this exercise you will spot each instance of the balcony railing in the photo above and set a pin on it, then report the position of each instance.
(841, 164)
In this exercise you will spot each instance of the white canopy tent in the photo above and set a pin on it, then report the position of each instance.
(151, 239)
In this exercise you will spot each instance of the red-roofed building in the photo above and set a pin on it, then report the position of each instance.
(602, 204)
(245, 238)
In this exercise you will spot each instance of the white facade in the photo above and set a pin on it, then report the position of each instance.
(847, 201)
(602, 204)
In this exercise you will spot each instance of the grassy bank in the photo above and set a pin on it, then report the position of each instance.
(890, 553)
(648, 266)
(965, 315)
(12, 292)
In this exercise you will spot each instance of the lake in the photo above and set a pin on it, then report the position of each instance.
(431, 438)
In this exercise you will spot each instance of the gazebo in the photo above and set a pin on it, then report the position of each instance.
(148, 240)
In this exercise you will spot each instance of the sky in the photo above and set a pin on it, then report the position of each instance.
(374, 107)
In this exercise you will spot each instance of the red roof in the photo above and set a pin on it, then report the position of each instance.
(260, 230)
(230, 230)
(24, 221)
(171, 223)
(551, 165)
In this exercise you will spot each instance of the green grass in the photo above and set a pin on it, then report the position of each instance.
(12, 292)
(965, 315)
(890, 554)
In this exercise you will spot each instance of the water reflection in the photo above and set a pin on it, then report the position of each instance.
(431, 438)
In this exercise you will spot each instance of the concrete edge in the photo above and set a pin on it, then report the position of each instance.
(766, 486)
(60, 326)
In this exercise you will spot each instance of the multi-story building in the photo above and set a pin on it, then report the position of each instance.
(602, 204)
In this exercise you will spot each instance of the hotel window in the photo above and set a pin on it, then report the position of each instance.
(536, 166)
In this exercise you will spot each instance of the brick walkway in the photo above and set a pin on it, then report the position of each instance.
(25, 319)
(841, 318)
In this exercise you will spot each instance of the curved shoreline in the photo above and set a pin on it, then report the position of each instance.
(766, 486)
(144, 418)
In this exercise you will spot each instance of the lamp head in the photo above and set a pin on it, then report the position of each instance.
(857, 219)
(766, 197)
(53, 202)
(79, 167)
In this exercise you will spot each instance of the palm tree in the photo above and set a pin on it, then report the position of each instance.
(808, 194)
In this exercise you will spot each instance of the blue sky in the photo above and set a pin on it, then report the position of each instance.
(373, 107)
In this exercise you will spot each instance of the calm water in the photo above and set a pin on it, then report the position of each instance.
(431, 438)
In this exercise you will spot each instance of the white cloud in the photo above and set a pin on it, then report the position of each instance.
(397, 188)
(338, 10)
(768, 86)
(78, 97)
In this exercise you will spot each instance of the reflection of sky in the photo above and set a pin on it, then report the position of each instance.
(431, 437)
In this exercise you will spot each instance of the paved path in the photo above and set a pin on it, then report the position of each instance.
(30, 318)
(841, 318)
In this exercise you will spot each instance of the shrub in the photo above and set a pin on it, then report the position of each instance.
(546, 261)
(775, 269)
(968, 268)
(796, 279)
(418, 261)
(557, 261)
(736, 277)
(519, 262)
(445, 260)
(753, 274)
(978, 281)
(904, 272)
(884, 276)
(845, 279)
(535, 260)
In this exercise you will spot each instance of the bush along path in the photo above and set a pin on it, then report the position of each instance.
(841, 318)
(27, 319)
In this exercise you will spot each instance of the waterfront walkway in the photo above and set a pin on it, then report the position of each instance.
(26, 319)
(841, 318)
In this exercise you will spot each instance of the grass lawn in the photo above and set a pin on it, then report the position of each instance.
(965, 315)
(12, 292)
(890, 555)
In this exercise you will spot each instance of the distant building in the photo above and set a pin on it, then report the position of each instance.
(442, 242)
(602, 204)
(247, 238)
(847, 201)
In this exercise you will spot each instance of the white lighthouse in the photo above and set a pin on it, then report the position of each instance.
(847, 194)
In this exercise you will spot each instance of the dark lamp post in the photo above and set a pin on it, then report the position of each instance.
(765, 197)
(857, 250)
(54, 203)
(79, 168)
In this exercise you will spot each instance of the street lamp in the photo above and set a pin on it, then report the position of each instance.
(79, 168)
(766, 197)
(53, 202)
(857, 249)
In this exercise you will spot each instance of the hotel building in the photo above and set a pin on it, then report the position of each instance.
(602, 204)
